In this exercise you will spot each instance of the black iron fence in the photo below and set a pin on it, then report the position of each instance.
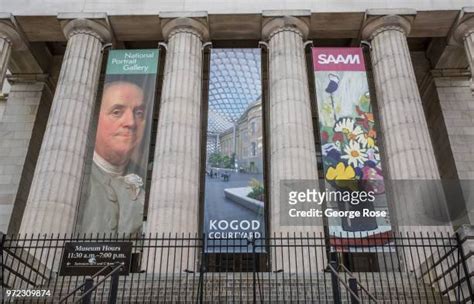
(306, 268)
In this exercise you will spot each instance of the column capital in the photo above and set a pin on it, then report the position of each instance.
(464, 25)
(380, 20)
(94, 24)
(276, 21)
(192, 22)
(10, 32)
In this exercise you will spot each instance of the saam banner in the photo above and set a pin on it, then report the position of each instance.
(351, 156)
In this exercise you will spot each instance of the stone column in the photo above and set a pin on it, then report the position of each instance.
(5, 51)
(464, 35)
(292, 149)
(410, 165)
(469, 46)
(461, 102)
(55, 189)
(9, 38)
(174, 195)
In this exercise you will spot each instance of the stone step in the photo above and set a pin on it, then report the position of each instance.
(238, 288)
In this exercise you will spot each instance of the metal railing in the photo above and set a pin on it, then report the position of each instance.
(88, 286)
(353, 280)
(336, 280)
(392, 268)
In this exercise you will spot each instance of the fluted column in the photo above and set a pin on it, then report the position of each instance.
(464, 35)
(469, 46)
(410, 164)
(292, 147)
(55, 189)
(9, 38)
(174, 196)
(5, 51)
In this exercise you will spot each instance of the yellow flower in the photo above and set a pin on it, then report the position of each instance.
(327, 108)
(367, 139)
(341, 172)
(370, 142)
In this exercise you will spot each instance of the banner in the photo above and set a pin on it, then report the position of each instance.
(351, 157)
(234, 189)
(114, 196)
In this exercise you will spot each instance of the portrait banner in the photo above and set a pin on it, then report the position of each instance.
(114, 195)
(234, 187)
(350, 154)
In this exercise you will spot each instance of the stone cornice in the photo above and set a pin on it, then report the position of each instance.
(450, 73)
(95, 25)
(9, 31)
(378, 21)
(274, 23)
(33, 78)
(195, 23)
(28, 78)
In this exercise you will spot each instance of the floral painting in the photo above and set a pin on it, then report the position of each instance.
(350, 154)
(348, 143)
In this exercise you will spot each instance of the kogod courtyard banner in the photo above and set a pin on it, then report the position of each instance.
(234, 188)
(113, 197)
(351, 158)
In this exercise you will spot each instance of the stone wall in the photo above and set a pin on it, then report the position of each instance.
(16, 128)
(457, 105)
(437, 127)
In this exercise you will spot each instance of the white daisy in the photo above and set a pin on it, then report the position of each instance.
(354, 154)
(355, 133)
(345, 125)
(362, 139)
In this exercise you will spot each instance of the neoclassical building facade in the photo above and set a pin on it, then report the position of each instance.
(248, 140)
(421, 63)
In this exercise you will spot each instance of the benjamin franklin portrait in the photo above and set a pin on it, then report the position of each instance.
(113, 200)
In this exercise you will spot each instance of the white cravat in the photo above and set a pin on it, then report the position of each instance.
(108, 167)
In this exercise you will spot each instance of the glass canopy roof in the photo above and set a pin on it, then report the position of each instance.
(235, 82)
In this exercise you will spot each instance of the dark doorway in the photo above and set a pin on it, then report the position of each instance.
(236, 262)
(361, 261)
